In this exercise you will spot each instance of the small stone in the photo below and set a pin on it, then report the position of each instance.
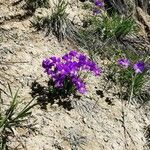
(55, 106)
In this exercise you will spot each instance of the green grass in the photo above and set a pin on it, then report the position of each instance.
(34, 4)
(12, 117)
(103, 31)
(57, 22)
(115, 26)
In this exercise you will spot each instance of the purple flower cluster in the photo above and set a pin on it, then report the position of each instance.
(138, 67)
(98, 5)
(123, 62)
(69, 67)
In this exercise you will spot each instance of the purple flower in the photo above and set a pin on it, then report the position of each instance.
(82, 89)
(123, 62)
(59, 80)
(90, 65)
(67, 57)
(54, 59)
(49, 72)
(58, 84)
(96, 11)
(139, 67)
(98, 3)
(73, 53)
(46, 63)
(79, 84)
(97, 71)
(82, 58)
(69, 67)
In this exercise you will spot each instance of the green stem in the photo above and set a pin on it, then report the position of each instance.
(132, 88)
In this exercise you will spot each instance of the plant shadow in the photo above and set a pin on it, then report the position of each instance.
(44, 96)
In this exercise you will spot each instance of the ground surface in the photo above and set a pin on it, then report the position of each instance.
(96, 121)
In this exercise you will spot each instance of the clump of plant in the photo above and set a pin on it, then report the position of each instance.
(57, 22)
(101, 30)
(130, 74)
(115, 26)
(106, 27)
(110, 29)
(11, 118)
(32, 5)
(69, 71)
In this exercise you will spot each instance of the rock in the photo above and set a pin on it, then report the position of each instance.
(144, 18)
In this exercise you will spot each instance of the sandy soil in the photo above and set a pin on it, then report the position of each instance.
(97, 120)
